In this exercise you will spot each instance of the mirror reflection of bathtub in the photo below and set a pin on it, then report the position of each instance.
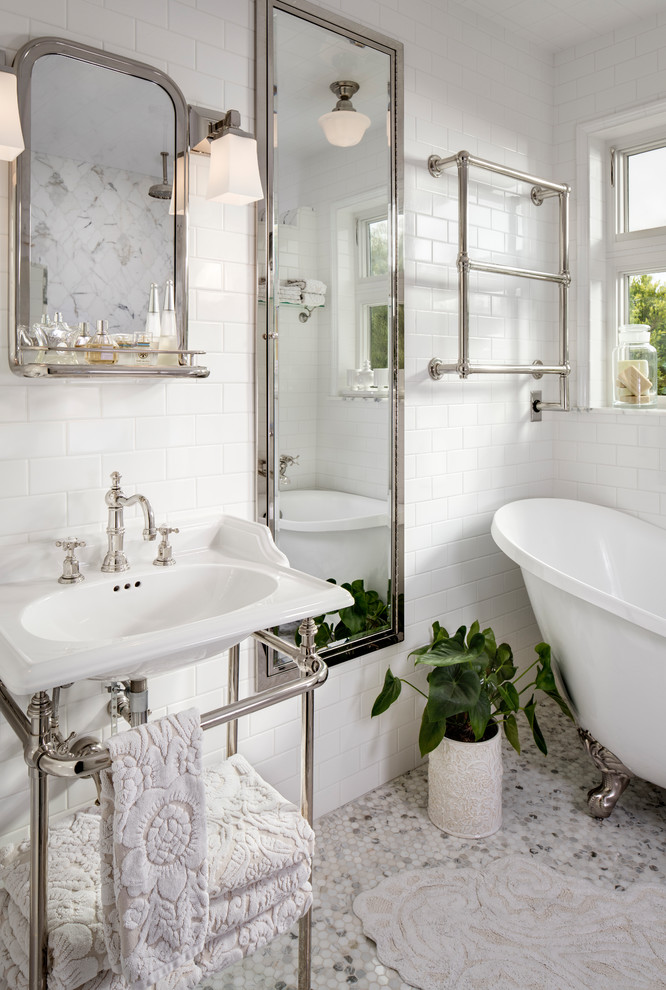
(337, 535)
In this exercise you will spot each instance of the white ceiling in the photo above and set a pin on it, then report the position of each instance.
(560, 24)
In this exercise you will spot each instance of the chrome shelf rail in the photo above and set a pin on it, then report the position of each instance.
(541, 189)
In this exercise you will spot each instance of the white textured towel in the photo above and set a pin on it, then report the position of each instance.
(314, 285)
(153, 849)
(313, 299)
(259, 858)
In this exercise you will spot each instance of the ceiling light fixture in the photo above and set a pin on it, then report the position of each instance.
(344, 126)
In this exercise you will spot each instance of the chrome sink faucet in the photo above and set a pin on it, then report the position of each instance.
(115, 559)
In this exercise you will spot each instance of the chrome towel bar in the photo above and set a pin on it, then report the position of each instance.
(541, 189)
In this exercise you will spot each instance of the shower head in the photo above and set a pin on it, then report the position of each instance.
(162, 190)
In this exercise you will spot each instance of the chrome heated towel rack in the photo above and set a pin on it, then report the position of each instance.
(541, 189)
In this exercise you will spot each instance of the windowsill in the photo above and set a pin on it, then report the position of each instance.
(364, 393)
(620, 411)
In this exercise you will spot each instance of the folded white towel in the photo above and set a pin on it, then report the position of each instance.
(259, 857)
(219, 951)
(153, 849)
(289, 293)
(314, 285)
(313, 299)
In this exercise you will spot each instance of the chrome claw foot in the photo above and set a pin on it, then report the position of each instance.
(615, 777)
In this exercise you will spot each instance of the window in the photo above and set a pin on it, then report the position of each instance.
(637, 246)
(372, 289)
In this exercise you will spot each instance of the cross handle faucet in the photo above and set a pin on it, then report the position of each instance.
(115, 558)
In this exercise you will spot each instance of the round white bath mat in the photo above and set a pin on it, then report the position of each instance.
(516, 925)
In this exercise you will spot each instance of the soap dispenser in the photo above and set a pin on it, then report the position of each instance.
(169, 332)
(103, 350)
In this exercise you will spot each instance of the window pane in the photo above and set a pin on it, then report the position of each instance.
(378, 248)
(379, 337)
(647, 304)
(646, 192)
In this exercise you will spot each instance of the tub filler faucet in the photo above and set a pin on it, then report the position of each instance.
(286, 461)
(115, 559)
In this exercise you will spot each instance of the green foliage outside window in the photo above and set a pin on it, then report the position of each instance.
(647, 304)
(379, 337)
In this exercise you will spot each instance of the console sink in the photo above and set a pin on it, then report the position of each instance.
(229, 581)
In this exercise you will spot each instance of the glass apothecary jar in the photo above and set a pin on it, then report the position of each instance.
(634, 368)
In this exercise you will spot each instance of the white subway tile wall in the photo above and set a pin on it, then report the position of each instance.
(469, 446)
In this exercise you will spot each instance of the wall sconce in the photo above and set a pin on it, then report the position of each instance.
(234, 164)
(11, 135)
(177, 204)
(344, 129)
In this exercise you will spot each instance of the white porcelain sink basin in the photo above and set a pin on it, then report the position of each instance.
(147, 604)
(229, 581)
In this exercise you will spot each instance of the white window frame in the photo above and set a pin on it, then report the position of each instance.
(629, 252)
(603, 256)
(370, 290)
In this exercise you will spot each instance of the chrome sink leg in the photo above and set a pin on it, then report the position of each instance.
(307, 630)
(232, 695)
(137, 696)
(39, 713)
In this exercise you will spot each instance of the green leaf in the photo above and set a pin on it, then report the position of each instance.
(451, 690)
(558, 699)
(460, 634)
(511, 731)
(510, 697)
(504, 665)
(534, 725)
(430, 734)
(388, 694)
(473, 630)
(438, 633)
(479, 715)
(545, 679)
(491, 645)
(450, 651)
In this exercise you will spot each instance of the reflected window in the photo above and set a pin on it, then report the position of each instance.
(372, 289)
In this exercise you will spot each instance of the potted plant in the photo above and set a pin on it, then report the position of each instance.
(474, 687)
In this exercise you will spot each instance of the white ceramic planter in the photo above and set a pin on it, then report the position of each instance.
(465, 787)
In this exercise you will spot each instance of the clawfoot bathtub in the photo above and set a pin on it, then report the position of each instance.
(593, 576)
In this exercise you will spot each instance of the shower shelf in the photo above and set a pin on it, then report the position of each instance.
(541, 189)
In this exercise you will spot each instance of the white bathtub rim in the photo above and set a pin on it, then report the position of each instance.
(566, 582)
(375, 513)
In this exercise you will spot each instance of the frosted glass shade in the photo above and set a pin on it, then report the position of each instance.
(11, 136)
(344, 128)
(234, 171)
(177, 204)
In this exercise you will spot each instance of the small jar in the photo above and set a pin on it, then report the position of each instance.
(634, 368)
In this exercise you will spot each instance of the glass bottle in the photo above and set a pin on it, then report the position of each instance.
(79, 341)
(103, 350)
(153, 317)
(634, 368)
(169, 333)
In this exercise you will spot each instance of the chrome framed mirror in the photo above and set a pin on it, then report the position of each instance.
(330, 313)
(94, 222)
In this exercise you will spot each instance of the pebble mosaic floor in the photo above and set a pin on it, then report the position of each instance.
(388, 830)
